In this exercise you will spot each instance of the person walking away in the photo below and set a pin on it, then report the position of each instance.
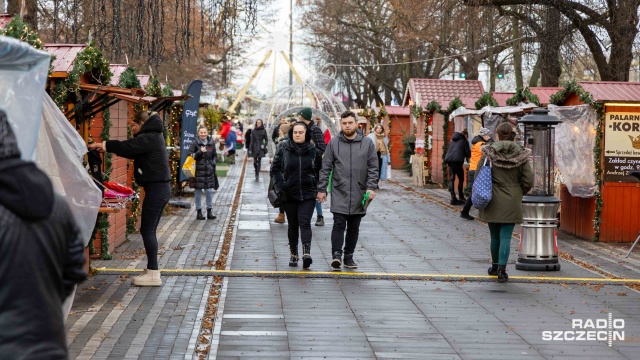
(284, 135)
(42, 257)
(294, 170)
(381, 142)
(258, 146)
(352, 156)
(230, 146)
(484, 136)
(317, 138)
(457, 152)
(511, 177)
(151, 171)
(203, 151)
(247, 139)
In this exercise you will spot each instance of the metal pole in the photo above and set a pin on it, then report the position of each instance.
(634, 245)
(291, 40)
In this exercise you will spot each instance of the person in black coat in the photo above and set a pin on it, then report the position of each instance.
(203, 151)
(42, 257)
(151, 171)
(258, 147)
(457, 151)
(295, 171)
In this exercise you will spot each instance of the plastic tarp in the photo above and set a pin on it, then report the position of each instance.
(575, 139)
(60, 154)
(23, 74)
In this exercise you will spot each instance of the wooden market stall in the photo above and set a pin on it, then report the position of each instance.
(397, 125)
(617, 219)
(431, 130)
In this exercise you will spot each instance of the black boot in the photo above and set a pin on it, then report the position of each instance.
(210, 215)
(502, 274)
(200, 216)
(337, 260)
(293, 260)
(306, 256)
(493, 270)
(454, 200)
(348, 261)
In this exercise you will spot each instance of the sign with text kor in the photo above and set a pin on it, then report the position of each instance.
(621, 146)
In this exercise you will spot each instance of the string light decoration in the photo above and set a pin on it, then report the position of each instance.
(153, 88)
(167, 90)
(585, 97)
(521, 95)
(18, 29)
(90, 62)
(173, 141)
(485, 100)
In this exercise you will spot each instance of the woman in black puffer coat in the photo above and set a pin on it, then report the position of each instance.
(258, 148)
(203, 151)
(294, 171)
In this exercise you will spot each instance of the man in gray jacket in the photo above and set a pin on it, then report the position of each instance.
(354, 162)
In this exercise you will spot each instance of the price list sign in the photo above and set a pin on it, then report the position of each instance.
(621, 146)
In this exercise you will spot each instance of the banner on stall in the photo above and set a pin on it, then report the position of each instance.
(621, 146)
(189, 123)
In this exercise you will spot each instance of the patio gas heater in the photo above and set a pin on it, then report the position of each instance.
(538, 248)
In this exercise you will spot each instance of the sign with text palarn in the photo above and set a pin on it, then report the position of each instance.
(189, 123)
(621, 146)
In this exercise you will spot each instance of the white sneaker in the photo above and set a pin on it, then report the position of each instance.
(149, 278)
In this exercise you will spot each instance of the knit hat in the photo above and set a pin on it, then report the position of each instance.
(306, 113)
(484, 132)
(8, 143)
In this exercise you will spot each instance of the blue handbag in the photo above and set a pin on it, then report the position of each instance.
(482, 189)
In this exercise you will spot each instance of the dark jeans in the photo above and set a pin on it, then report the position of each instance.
(471, 175)
(256, 165)
(352, 224)
(156, 196)
(299, 217)
(456, 170)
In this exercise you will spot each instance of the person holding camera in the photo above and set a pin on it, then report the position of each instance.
(294, 171)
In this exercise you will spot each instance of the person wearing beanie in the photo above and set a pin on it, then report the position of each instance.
(511, 178)
(483, 137)
(42, 257)
(317, 138)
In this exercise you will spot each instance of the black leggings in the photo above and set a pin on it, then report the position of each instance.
(156, 196)
(379, 164)
(256, 164)
(456, 170)
(299, 217)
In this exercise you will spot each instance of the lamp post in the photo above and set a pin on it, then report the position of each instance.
(538, 249)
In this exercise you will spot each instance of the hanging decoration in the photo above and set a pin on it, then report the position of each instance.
(586, 98)
(18, 29)
(523, 95)
(167, 91)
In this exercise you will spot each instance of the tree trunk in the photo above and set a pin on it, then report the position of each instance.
(30, 13)
(517, 54)
(550, 68)
(535, 75)
(623, 32)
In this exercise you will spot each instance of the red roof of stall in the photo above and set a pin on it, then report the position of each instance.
(117, 70)
(396, 110)
(612, 90)
(443, 91)
(4, 20)
(144, 80)
(544, 93)
(64, 54)
(502, 97)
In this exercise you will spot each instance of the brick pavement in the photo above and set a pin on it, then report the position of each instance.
(332, 318)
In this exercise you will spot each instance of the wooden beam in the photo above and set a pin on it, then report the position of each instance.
(243, 92)
(295, 73)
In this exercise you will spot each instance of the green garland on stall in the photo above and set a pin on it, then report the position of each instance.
(88, 61)
(485, 100)
(167, 90)
(522, 95)
(586, 98)
(135, 209)
(129, 80)
(108, 165)
(153, 88)
(18, 29)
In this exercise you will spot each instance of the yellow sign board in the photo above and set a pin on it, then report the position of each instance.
(621, 145)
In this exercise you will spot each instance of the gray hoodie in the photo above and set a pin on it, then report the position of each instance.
(355, 170)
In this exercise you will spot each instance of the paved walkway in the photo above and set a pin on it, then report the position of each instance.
(292, 318)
